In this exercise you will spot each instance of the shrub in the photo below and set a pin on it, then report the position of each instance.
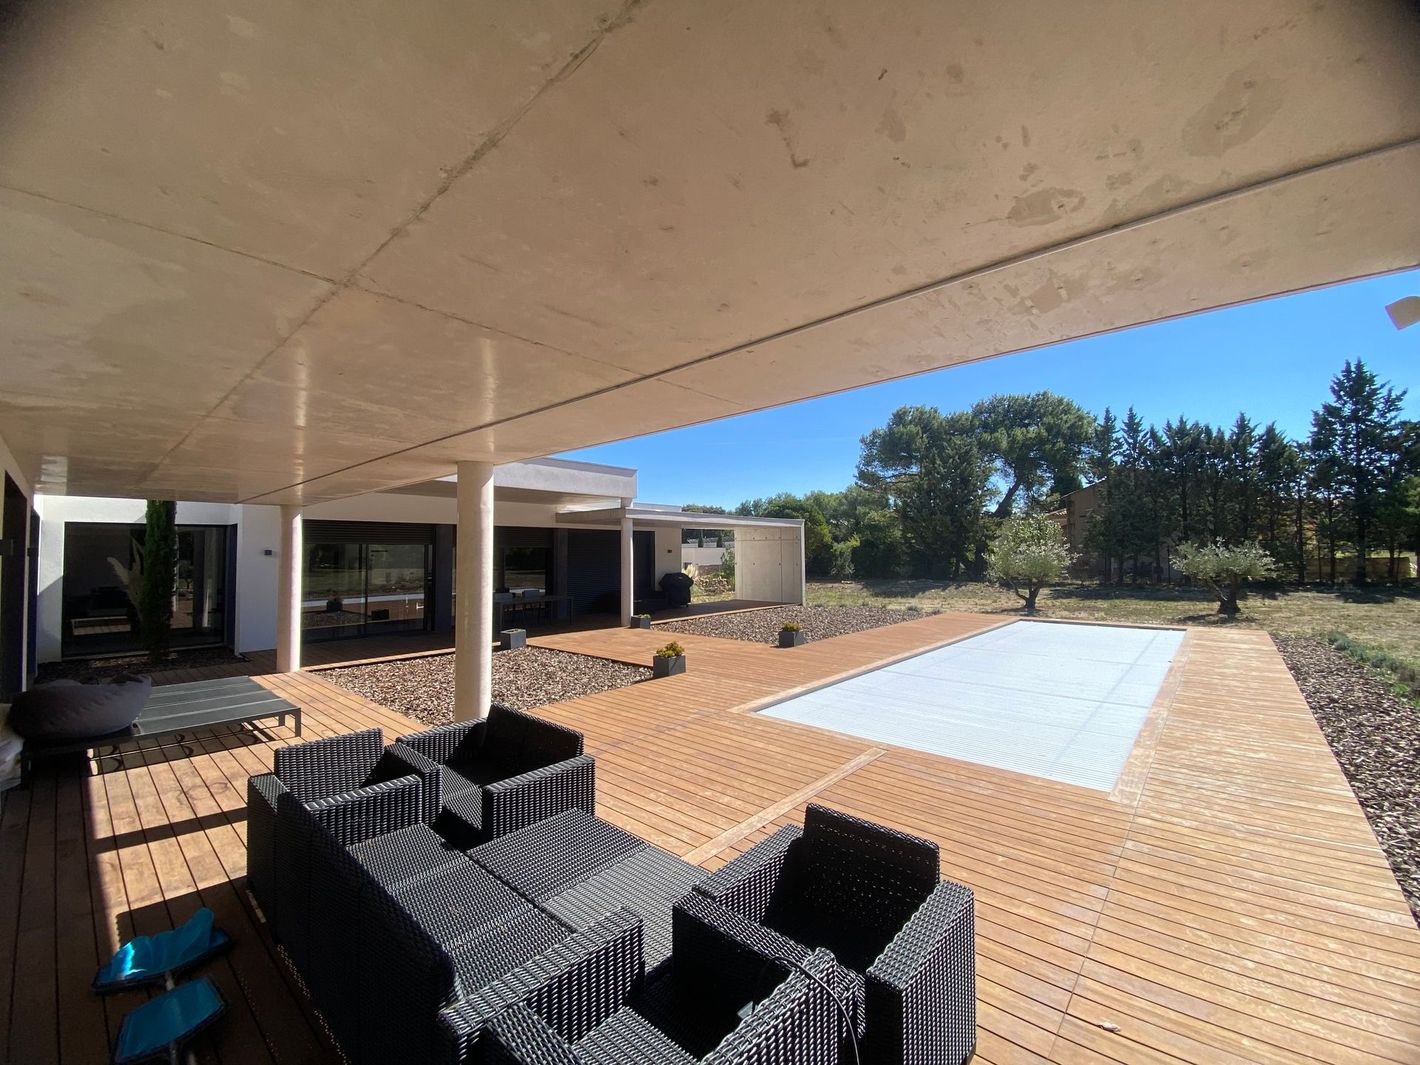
(671, 650)
(791, 626)
(1404, 678)
(727, 566)
(1224, 568)
(840, 555)
(1029, 552)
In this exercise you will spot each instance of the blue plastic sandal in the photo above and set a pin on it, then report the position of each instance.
(155, 959)
(160, 1027)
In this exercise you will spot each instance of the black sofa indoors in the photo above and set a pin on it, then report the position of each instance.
(505, 772)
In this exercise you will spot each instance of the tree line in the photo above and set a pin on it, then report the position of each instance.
(931, 489)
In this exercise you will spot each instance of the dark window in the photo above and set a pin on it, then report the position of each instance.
(522, 559)
(526, 568)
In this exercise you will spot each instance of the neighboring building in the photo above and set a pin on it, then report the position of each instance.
(381, 562)
(1074, 519)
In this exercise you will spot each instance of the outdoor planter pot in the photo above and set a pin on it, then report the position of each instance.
(641, 623)
(512, 639)
(791, 638)
(667, 667)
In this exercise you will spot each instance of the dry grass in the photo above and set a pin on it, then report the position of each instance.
(1386, 618)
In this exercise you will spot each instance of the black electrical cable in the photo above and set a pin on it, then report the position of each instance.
(847, 1017)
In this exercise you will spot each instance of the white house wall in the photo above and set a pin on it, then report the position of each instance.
(11, 467)
(258, 577)
(437, 510)
(667, 552)
(769, 565)
(257, 530)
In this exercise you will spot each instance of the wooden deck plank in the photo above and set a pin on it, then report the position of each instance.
(34, 1018)
(1232, 906)
(77, 952)
(14, 836)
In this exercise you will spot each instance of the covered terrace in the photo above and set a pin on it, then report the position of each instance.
(258, 254)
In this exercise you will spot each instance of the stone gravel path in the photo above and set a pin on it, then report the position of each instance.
(423, 687)
(1375, 736)
(819, 622)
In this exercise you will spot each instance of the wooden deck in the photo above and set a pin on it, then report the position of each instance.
(1230, 905)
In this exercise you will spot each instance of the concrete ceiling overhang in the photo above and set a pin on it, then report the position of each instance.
(270, 254)
(647, 517)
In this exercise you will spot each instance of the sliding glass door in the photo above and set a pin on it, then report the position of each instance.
(102, 563)
(360, 589)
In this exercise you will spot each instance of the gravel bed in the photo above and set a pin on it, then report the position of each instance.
(423, 687)
(1375, 735)
(103, 668)
(819, 622)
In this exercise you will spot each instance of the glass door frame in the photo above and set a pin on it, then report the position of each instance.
(338, 597)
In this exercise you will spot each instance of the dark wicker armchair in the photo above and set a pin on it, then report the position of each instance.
(506, 772)
(352, 785)
(798, 1023)
(873, 897)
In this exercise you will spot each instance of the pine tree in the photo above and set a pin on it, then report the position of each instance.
(1242, 473)
(1359, 432)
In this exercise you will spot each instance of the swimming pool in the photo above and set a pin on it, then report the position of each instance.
(1064, 702)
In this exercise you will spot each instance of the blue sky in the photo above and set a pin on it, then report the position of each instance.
(1273, 360)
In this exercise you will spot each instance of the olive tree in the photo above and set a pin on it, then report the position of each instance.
(1224, 568)
(1028, 553)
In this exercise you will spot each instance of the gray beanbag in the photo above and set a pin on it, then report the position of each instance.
(68, 710)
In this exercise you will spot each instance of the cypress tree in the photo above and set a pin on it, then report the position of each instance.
(155, 606)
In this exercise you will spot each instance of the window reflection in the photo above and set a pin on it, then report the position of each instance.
(101, 567)
(357, 589)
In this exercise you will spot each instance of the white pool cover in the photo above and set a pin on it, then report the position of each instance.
(1064, 702)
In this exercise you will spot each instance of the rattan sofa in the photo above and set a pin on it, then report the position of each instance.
(383, 918)
(564, 941)
(505, 772)
(403, 925)
(352, 784)
(874, 897)
(582, 869)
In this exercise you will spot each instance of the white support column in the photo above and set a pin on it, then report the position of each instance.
(628, 569)
(288, 595)
(803, 570)
(473, 613)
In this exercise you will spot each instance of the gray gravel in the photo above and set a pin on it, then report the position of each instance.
(103, 668)
(1375, 736)
(819, 622)
(423, 687)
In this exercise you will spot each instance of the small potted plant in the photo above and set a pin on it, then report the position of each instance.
(641, 621)
(791, 634)
(669, 661)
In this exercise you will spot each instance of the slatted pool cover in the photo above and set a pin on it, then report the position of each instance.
(1064, 702)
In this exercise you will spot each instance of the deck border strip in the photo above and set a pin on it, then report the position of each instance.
(750, 825)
